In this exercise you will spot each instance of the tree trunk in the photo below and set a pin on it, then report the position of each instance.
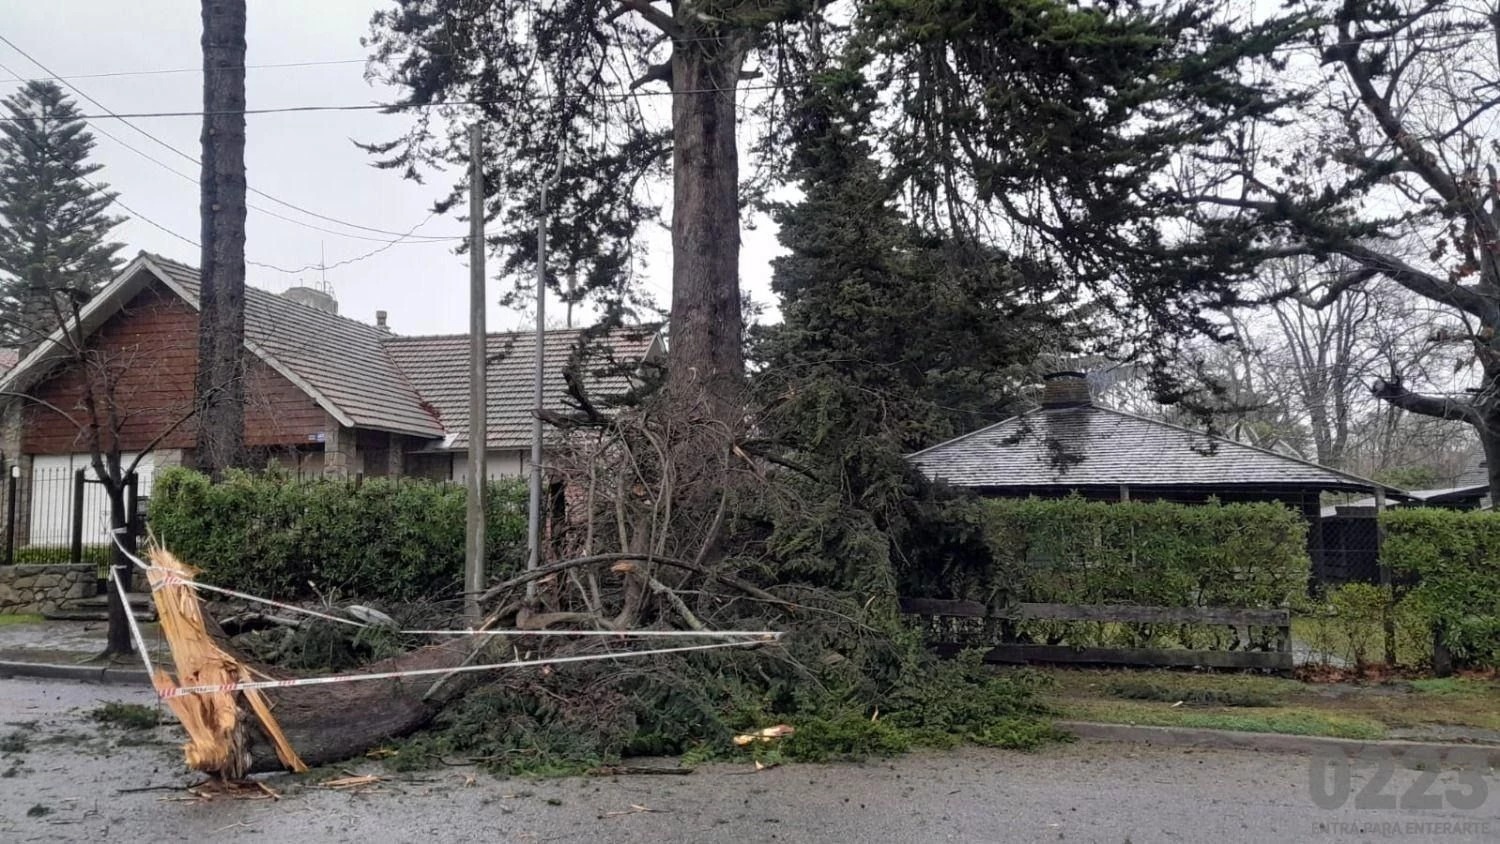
(117, 638)
(330, 723)
(221, 332)
(706, 356)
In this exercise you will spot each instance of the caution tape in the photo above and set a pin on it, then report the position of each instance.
(168, 577)
(427, 672)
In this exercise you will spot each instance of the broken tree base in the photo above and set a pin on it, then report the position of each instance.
(236, 733)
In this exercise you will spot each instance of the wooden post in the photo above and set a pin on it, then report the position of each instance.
(1388, 616)
(478, 426)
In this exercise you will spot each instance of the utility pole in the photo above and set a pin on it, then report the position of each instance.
(534, 503)
(478, 426)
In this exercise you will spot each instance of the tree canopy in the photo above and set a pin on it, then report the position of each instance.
(54, 225)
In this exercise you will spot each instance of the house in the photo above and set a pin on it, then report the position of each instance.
(1071, 445)
(325, 394)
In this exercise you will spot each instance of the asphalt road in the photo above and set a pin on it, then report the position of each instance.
(65, 785)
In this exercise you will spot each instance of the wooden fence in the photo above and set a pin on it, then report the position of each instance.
(1279, 659)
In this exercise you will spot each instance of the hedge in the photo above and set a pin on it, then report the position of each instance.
(1452, 561)
(1074, 551)
(384, 539)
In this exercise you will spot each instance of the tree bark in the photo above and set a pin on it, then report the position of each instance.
(221, 332)
(117, 638)
(706, 356)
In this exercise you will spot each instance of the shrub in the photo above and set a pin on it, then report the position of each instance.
(1453, 560)
(383, 539)
(1074, 551)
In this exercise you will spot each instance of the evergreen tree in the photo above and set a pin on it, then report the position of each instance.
(891, 340)
(54, 251)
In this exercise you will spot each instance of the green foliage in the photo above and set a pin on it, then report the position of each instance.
(1453, 558)
(1410, 477)
(390, 539)
(1073, 551)
(131, 716)
(53, 225)
(846, 736)
(1196, 696)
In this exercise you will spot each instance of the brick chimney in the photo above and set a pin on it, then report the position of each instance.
(380, 322)
(1066, 389)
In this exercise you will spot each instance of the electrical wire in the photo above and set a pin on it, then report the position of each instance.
(123, 118)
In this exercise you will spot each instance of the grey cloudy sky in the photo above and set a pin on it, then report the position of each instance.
(306, 159)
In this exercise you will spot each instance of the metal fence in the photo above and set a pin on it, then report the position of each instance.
(1350, 550)
(60, 516)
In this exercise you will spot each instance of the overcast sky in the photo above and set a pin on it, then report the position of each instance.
(307, 160)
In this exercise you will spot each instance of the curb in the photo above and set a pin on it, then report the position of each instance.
(1419, 751)
(79, 673)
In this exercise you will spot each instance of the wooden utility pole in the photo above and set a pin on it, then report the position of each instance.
(478, 426)
(220, 388)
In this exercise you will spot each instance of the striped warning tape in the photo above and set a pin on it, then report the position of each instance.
(427, 672)
(167, 577)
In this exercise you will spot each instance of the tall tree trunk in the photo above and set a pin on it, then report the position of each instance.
(706, 357)
(221, 332)
(118, 639)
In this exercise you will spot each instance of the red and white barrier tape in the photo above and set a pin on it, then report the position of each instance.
(427, 672)
(172, 578)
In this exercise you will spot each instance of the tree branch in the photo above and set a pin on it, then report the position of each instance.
(654, 16)
(1439, 407)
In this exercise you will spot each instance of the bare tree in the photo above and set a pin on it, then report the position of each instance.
(100, 416)
(1403, 154)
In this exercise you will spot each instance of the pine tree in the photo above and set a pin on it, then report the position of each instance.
(54, 251)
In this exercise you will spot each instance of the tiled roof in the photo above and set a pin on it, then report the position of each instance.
(439, 368)
(342, 360)
(1071, 447)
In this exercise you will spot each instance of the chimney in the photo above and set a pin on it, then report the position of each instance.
(313, 298)
(380, 321)
(1066, 389)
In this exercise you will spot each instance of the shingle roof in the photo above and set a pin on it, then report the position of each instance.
(340, 361)
(1073, 447)
(438, 367)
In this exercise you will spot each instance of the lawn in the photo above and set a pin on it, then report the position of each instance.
(1452, 708)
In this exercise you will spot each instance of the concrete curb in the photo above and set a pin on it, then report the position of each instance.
(79, 673)
(1283, 743)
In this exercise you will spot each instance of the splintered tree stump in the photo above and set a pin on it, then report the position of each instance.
(233, 733)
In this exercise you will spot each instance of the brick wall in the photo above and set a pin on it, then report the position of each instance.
(152, 347)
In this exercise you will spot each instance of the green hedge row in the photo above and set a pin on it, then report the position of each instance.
(1074, 551)
(383, 539)
(1452, 560)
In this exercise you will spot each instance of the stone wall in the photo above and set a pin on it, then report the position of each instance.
(34, 589)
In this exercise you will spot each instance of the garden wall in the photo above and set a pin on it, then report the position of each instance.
(36, 589)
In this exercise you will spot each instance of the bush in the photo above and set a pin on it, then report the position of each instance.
(1453, 560)
(1074, 551)
(384, 539)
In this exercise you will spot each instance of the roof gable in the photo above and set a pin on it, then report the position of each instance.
(1096, 446)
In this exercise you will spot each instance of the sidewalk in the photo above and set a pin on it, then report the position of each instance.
(70, 650)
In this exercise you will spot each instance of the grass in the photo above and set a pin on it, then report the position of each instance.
(7, 619)
(1258, 703)
(131, 716)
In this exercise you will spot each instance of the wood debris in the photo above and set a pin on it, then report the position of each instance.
(217, 741)
(764, 734)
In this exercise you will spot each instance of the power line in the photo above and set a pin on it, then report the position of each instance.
(191, 179)
(16, 77)
(114, 199)
(196, 162)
